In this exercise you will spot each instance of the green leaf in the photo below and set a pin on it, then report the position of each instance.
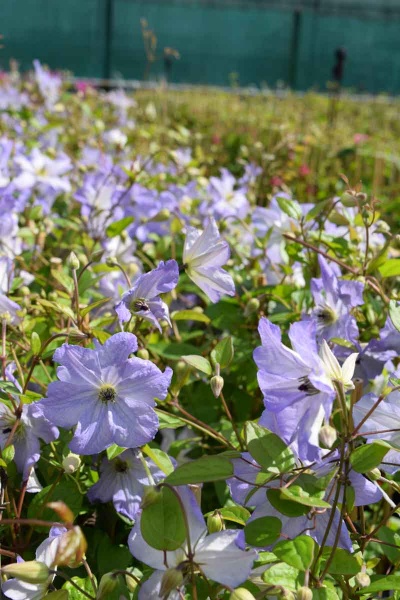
(282, 575)
(289, 207)
(168, 421)
(263, 532)
(74, 594)
(87, 309)
(198, 362)
(119, 226)
(36, 344)
(268, 449)
(235, 514)
(394, 312)
(391, 548)
(8, 453)
(299, 553)
(206, 468)
(286, 507)
(159, 458)
(367, 457)
(190, 315)
(381, 583)
(66, 490)
(162, 523)
(113, 451)
(111, 556)
(343, 563)
(223, 352)
(61, 595)
(298, 494)
(324, 593)
(391, 268)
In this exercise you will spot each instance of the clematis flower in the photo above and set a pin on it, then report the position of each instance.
(218, 555)
(298, 394)
(334, 299)
(45, 553)
(143, 298)
(122, 480)
(204, 253)
(225, 199)
(32, 426)
(108, 396)
(39, 168)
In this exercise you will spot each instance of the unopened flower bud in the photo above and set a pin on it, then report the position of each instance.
(31, 571)
(348, 199)
(327, 436)
(71, 548)
(73, 261)
(163, 215)
(152, 494)
(71, 463)
(252, 307)
(143, 353)
(24, 290)
(374, 474)
(108, 583)
(241, 594)
(287, 594)
(111, 261)
(215, 522)
(131, 583)
(172, 579)
(76, 336)
(216, 383)
(304, 593)
(362, 580)
(36, 344)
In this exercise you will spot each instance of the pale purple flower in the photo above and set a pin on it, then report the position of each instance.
(32, 427)
(40, 169)
(122, 481)
(382, 424)
(219, 554)
(226, 200)
(378, 353)
(108, 396)
(334, 299)
(298, 394)
(49, 84)
(45, 553)
(204, 253)
(143, 298)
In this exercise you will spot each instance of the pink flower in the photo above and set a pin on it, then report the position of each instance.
(360, 138)
(304, 170)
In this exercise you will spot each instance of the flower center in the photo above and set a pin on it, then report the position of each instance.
(325, 315)
(307, 387)
(139, 304)
(107, 393)
(121, 466)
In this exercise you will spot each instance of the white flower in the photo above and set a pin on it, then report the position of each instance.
(204, 253)
(334, 371)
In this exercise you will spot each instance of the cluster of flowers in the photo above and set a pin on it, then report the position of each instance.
(103, 396)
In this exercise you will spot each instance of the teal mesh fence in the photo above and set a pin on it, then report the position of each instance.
(250, 42)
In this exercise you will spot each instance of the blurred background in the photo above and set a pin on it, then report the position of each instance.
(300, 44)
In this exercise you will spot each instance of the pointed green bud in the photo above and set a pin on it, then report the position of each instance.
(251, 307)
(171, 580)
(348, 199)
(304, 593)
(163, 215)
(76, 336)
(73, 261)
(36, 344)
(216, 383)
(327, 436)
(71, 463)
(241, 594)
(108, 583)
(143, 353)
(362, 580)
(374, 474)
(31, 571)
(287, 594)
(215, 522)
